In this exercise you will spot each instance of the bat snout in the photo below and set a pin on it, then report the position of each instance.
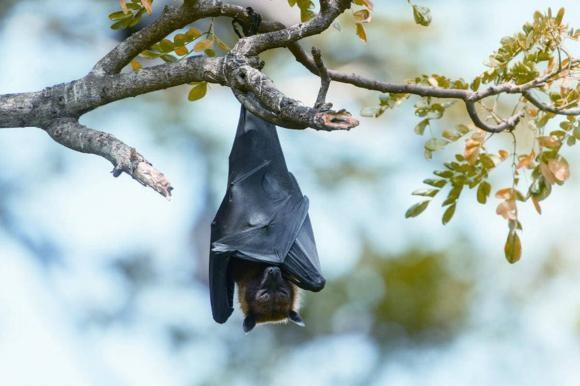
(272, 278)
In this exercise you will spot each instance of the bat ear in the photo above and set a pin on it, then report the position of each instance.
(249, 323)
(295, 318)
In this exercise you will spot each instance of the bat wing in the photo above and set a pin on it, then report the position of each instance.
(263, 216)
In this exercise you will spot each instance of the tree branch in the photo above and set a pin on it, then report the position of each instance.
(324, 78)
(70, 133)
(544, 107)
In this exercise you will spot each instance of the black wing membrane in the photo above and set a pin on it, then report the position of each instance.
(263, 216)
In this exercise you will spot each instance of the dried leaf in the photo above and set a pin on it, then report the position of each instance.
(559, 168)
(547, 173)
(526, 160)
(123, 4)
(550, 142)
(503, 154)
(507, 210)
(181, 51)
(147, 5)
(505, 194)
(203, 45)
(537, 206)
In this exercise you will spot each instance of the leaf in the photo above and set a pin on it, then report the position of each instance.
(420, 128)
(364, 3)
(560, 16)
(507, 210)
(425, 192)
(483, 192)
(197, 92)
(166, 45)
(123, 5)
(193, 32)
(123, 23)
(549, 177)
(180, 40)
(475, 84)
(116, 15)
(209, 52)
(505, 194)
(168, 58)
(513, 247)
(362, 16)
(537, 206)
(503, 154)
(422, 15)
(181, 51)
(360, 32)
(435, 144)
(221, 44)
(526, 160)
(147, 5)
(203, 45)
(435, 183)
(417, 209)
(448, 214)
(135, 65)
(559, 168)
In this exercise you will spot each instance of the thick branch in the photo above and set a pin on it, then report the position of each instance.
(70, 133)
(75, 98)
(289, 112)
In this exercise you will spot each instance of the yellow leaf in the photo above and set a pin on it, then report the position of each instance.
(503, 154)
(197, 92)
(193, 32)
(147, 5)
(360, 32)
(135, 65)
(559, 168)
(362, 16)
(181, 51)
(203, 45)
(123, 5)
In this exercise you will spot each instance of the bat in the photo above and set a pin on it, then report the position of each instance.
(261, 236)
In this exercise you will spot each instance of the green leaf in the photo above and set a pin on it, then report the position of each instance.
(425, 192)
(448, 215)
(166, 45)
(420, 128)
(197, 92)
(117, 15)
(560, 16)
(123, 23)
(417, 209)
(168, 58)
(435, 144)
(436, 183)
(513, 247)
(422, 15)
(483, 192)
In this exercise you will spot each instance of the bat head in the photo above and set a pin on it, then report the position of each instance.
(266, 296)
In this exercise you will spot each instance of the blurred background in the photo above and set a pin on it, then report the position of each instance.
(103, 282)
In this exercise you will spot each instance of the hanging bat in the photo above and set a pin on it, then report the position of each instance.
(261, 236)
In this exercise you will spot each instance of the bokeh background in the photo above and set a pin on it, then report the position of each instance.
(103, 282)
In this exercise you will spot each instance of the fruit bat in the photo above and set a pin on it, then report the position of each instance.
(261, 236)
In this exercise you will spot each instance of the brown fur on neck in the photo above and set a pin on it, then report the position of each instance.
(248, 276)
